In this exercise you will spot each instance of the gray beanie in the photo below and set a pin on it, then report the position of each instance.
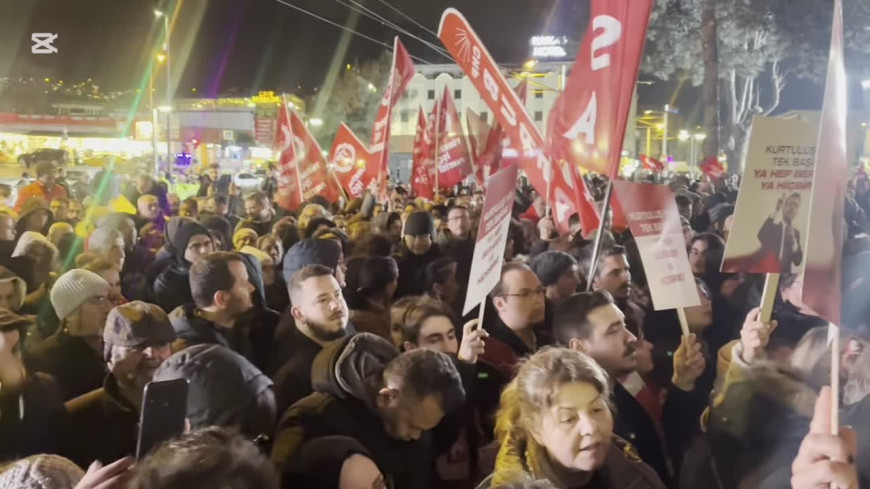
(73, 288)
(550, 265)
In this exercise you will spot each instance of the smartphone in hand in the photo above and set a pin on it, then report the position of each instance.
(164, 408)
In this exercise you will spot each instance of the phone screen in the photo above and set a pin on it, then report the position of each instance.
(164, 408)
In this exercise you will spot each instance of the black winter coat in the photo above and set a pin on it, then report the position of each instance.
(412, 269)
(172, 287)
(77, 368)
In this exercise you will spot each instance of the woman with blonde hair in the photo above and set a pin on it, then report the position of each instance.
(555, 424)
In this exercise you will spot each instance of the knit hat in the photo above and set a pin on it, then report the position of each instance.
(74, 288)
(27, 239)
(137, 323)
(186, 231)
(172, 226)
(223, 385)
(324, 252)
(419, 223)
(41, 472)
(550, 265)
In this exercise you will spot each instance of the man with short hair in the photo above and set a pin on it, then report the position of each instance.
(103, 424)
(145, 185)
(593, 324)
(45, 186)
(385, 401)
(457, 240)
(219, 204)
(221, 297)
(516, 326)
(319, 315)
(613, 275)
(109, 244)
(148, 211)
(60, 208)
(260, 212)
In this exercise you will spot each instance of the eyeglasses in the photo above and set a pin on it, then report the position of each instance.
(527, 294)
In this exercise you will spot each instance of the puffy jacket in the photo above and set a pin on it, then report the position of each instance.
(192, 329)
(343, 404)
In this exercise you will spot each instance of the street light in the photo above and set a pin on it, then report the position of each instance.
(165, 109)
(161, 57)
(160, 14)
(866, 84)
(315, 122)
(683, 135)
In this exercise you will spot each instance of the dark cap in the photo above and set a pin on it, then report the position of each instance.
(419, 223)
(137, 323)
(324, 252)
(550, 265)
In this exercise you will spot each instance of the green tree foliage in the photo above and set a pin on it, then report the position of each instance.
(354, 100)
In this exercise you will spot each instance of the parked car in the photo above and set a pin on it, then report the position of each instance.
(247, 181)
(44, 154)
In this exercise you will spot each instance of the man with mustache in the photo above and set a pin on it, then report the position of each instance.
(593, 324)
(103, 424)
(319, 315)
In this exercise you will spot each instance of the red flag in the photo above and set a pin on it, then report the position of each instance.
(314, 177)
(351, 162)
(422, 166)
(492, 154)
(650, 163)
(712, 167)
(822, 273)
(453, 160)
(400, 74)
(289, 195)
(471, 55)
(478, 132)
(587, 124)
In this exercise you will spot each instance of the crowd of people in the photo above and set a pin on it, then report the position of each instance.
(326, 348)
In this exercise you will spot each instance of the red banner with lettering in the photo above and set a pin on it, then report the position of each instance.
(454, 163)
(289, 194)
(474, 59)
(587, 124)
(400, 75)
(352, 163)
(314, 175)
(422, 166)
(822, 272)
(492, 155)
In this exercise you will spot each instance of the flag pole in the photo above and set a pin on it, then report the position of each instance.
(437, 144)
(597, 247)
(295, 156)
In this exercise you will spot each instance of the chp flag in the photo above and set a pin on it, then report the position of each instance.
(453, 161)
(400, 75)
(313, 171)
(351, 162)
(822, 273)
(422, 164)
(770, 221)
(491, 237)
(478, 132)
(587, 124)
(654, 220)
(289, 193)
(559, 182)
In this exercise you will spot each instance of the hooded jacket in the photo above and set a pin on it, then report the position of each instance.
(262, 321)
(172, 287)
(18, 286)
(221, 226)
(345, 377)
(193, 329)
(225, 389)
(412, 269)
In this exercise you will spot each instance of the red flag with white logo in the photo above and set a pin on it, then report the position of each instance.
(650, 163)
(400, 75)
(712, 167)
(454, 163)
(289, 194)
(314, 177)
(471, 55)
(587, 124)
(422, 165)
(351, 162)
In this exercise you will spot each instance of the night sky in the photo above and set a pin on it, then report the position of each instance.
(223, 47)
